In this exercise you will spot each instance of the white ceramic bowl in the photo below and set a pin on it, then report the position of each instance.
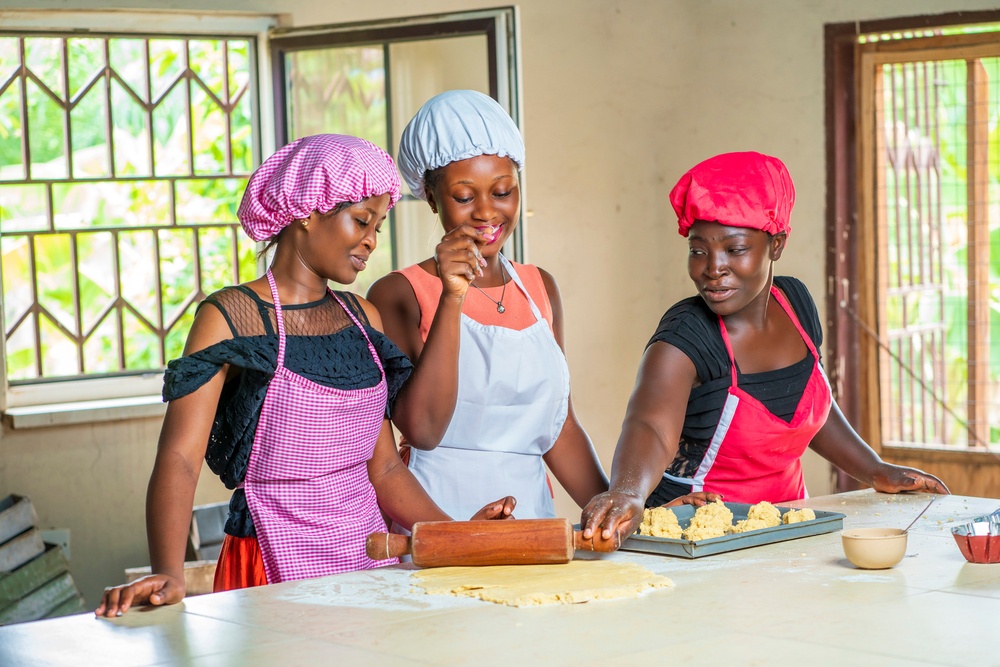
(874, 548)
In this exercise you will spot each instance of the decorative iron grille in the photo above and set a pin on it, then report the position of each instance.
(122, 162)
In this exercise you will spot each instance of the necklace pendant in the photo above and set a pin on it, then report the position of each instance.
(500, 308)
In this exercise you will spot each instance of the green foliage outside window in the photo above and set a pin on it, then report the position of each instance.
(145, 194)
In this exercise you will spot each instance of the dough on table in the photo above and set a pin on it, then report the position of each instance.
(710, 520)
(659, 522)
(766, 513)
(531, 585)
(797, 516)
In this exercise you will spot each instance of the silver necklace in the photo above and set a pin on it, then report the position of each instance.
(499, 303)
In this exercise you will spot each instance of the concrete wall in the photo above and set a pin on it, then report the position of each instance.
(620, 97)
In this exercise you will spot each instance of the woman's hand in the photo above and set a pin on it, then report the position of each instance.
(612, 512)
(154, 589)
(698, 498)
(459, 260)
(498, 511)
(890, 478)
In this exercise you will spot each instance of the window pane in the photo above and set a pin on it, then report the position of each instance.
(88, 121)
(17, 284)
(111, 204)
(48, 147)
(22, 208)
(338, 90)
(11, 158)
(417, 231)
(173, 139)
(424, 68)
(204, 201)
(97, 284)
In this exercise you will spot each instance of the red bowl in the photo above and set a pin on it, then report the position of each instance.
(979, 548)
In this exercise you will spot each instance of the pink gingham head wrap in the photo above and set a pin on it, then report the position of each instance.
(314, 173)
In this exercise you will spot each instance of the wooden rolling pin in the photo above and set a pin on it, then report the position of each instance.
(511, 542)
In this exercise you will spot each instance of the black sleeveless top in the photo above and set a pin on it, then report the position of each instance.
(322, 344)
(693, 328)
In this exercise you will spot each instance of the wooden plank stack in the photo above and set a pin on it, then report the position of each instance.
(35, 581)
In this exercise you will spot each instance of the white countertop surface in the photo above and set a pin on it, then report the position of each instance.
(798, 602)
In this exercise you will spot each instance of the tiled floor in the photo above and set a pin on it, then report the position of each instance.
(791, 603)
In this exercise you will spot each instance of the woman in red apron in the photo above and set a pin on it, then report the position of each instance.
(731, 390)
(285, 389)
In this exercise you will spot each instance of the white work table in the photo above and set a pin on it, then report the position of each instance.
(791, 603)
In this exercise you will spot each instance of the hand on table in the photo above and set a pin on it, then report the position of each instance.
(898, 479)
(612, 512)
(498, 511)
(154, 589)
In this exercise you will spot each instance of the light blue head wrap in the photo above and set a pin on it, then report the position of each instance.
(456, 125)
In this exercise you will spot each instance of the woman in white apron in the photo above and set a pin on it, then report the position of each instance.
(499, 410)
(284, 389)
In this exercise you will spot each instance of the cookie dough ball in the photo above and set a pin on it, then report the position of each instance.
(797, 516)
(659, 522)
(765, 512)
(710, 520)
(747, 525)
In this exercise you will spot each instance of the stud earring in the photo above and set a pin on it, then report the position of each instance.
(305, 223)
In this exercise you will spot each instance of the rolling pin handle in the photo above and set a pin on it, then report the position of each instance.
(383, 546)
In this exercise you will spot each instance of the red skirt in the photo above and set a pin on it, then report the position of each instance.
(240, 565)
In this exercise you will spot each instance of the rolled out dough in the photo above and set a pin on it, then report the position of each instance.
(531, 585)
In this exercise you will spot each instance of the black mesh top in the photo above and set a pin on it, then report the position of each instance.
(322, 344)
(693, 328)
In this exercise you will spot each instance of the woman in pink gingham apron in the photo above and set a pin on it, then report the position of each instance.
(285, 389)
(731, 390)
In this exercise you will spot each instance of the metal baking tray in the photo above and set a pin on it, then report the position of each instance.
(825, 522)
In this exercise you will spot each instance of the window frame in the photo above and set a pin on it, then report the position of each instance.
(85, 400)
(851, 242)
(499, 25)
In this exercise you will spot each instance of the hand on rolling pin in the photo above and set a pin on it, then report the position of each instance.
(497, 511)
(612, 516)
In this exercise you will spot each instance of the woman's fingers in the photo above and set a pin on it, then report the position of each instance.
(152, 589)
(459, 256)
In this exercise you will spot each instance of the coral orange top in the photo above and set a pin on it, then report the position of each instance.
(517, 314)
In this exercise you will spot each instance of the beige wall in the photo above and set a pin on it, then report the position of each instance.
(619, 99)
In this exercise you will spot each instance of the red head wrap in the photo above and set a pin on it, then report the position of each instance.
(738, 190)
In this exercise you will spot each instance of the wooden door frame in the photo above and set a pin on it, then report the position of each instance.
(853, 362)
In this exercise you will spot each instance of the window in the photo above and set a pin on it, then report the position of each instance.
(369, 80)
(124, 152)
(915, 296)
(122, 161)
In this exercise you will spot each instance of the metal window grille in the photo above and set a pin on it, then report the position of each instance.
(937, 190)
(122, 161)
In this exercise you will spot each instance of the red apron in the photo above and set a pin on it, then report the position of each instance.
(755, 455)
(307, 480)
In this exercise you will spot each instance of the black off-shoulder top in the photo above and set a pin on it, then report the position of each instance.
(322, 344)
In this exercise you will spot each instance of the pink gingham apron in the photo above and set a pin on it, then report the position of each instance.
(307, 483)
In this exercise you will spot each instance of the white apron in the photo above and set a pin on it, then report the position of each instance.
(513, 397)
